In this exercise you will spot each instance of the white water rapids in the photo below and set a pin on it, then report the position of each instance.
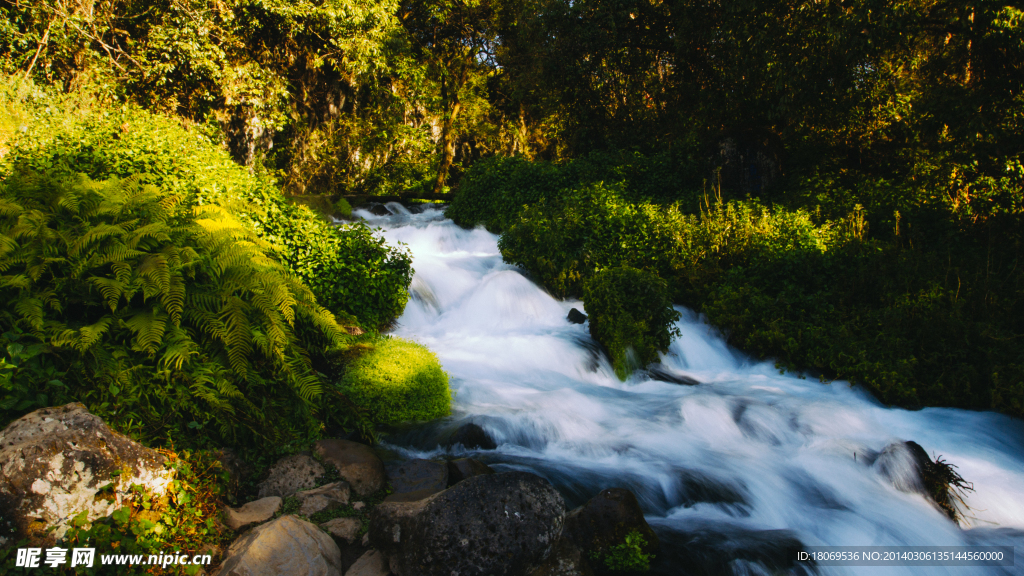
(732, 472)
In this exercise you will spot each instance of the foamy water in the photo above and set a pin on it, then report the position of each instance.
(732, 472)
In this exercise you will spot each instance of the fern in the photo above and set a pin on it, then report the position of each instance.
(172, 314)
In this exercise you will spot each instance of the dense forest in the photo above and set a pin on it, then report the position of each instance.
(837, 185)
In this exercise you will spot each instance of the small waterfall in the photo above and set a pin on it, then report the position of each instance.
(737, 472)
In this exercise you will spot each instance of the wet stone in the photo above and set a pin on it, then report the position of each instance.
(472, 436)
(463, 468)
(418, 475)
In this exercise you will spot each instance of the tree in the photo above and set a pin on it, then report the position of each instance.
(456, 39)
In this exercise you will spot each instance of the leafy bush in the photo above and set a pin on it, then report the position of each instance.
(631, 315)
(564, 240)
(343, 208)
(350, 269)
(495, 191)
(629, 556)
(398, 381)
(168, 321)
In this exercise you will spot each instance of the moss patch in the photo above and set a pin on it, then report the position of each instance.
(398, 381)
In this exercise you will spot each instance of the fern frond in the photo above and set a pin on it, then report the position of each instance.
(99, 232)
(111, 289)
(148, 327)
(31, 311)
(178, 350)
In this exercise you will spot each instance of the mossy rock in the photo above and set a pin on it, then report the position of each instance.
(398, 381)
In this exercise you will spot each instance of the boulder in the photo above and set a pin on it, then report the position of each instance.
(372, 563)
(903, 464)
(326, 497)
(489, 525)
(343, 529)
(472, 436)
(252, 513)
(54, 461)
(418, 475)
(356, 463)
(605, 520)
(462, 468)
(291, 474)
(576, 317)
(287, 546)
(565, 560)
(908, 467)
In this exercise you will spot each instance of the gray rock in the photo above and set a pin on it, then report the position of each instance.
(291, 474)
(418, 475)
(356, 463)
(576, 317)
(459, 470)
(489, 525)
(565, 560)
(287, 546)
(372, 563)
(54, 461)
(472, 436)
(326, 497)
(605, 521)
(346, 529)
(252, 513)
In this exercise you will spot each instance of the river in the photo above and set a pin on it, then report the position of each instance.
(734, 473)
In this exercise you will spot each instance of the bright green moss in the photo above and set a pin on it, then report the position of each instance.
(399, 381)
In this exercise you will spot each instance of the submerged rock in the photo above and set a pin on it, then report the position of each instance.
(356, 463)
(291, 474)
(472, 436)
(908, 468)
(490, 525)
(252, 513)
(462, 468)
(287, 546)
(54, 463)
(662, 375)
(576, 317)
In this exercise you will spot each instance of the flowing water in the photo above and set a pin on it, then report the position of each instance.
(734, 473)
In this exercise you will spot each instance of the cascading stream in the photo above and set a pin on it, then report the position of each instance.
(742, 468)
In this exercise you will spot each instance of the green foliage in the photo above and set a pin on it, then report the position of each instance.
(628, 556)
(350, 269)
(631, 314)
(169, 321)
(495, 191)
(343, 208)
(398, 381)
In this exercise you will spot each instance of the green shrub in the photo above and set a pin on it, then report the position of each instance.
(398, 381)
(629, 555)
(350, 269)
(171, 322)
(343, 208)
(631, 315)
(495, 191)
